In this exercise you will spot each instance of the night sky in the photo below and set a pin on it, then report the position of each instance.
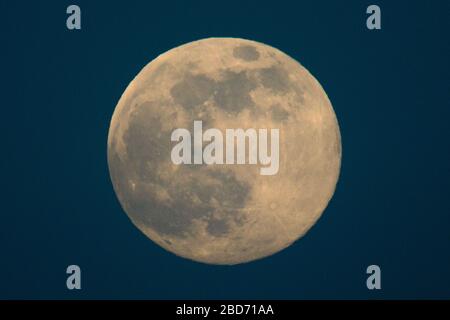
(390, 92)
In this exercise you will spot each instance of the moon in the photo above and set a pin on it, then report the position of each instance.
(224, 214)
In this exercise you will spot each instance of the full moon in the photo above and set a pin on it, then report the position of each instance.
(224, 213)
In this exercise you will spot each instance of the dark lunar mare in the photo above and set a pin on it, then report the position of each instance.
(246, 53)
(148, 146)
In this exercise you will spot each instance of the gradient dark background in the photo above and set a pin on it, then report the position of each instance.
(390, 91)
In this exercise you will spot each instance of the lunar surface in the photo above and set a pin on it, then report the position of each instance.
(222, 213)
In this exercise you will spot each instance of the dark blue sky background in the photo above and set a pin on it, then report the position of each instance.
(389, 89)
